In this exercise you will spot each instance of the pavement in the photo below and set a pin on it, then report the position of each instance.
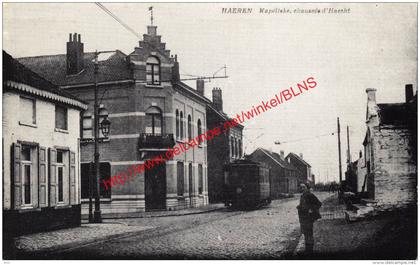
(390, 235)
(266, 233)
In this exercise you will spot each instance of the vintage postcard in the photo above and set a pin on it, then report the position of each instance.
(209, 131)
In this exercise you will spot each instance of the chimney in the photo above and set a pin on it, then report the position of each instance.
(217, 98)
(75, 62)
(175, 70)
(371, 94)
(408, 92)
(200, 86)
(301, 155)
(282, 154)
(360, 154)
(152, 30)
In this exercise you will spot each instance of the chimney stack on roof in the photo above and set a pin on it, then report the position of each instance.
(301, 155)
(175, 70)
(282, 154)
(409, 93)
(217, 98)
(371, 94)
(200, 86)
(75, 62)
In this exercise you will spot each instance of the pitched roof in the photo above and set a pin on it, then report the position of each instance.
(54, 68)
(17, 76)
(299, 159)
(276, 158)
(398, 114)
(221, 114)
(189, 90)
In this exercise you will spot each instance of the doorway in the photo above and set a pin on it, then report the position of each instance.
(155, 188)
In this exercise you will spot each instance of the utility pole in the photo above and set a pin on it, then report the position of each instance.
(348, 147)
(339, 150)
(97, 218)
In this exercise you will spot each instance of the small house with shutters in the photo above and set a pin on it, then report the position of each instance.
(41, 129)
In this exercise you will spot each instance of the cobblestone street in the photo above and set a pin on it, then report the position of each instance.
(269, 232)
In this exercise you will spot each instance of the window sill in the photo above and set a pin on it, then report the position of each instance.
(61, 130)
(153, 86)
(62, 206)
(93, 200)
(26, 209)
(27, 124)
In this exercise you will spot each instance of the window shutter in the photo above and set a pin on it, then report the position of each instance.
(73, 198)
(17, 180)
(42, 167)
(53, 177)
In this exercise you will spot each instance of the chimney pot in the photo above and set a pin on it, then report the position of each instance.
(360, 154)
(74, 54)
(217, 98)
(301, 155)
(282, 154)
(69, 37)
(79, 38)
(409, 93)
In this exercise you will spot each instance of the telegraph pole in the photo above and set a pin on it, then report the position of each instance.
(348, 147)
(339, 150)
(97, 213)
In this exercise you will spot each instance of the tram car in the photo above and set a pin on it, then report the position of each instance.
(246, 184)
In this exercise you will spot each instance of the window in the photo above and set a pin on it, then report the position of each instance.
(236, 148)
(87, 126)
(60, 117)
(232, 147)
(181, 117)
(240, 148)
(177, 123)
(27, 111)
(87, 170)
(199, 130)
(60, 175)
(180, 178)
(189, 128)
(153, 71)
(27, 172)
(200, 179)
(154, 121)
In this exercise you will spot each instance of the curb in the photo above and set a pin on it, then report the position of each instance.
(161, 214)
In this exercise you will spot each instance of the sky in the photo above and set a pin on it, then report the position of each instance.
(371, 46)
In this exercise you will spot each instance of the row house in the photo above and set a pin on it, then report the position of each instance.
(303, 168)
(222, 149)
(283, 176)
(390, 150)
(150, 110)
(41, 174)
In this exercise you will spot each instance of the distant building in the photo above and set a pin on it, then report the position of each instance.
(224, 148)
(356, 175)
(303, 168)
(41, 170)
(391, 150)
(283, 176)
(150, 110)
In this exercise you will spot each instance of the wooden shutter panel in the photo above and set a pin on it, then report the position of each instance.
(53, 177)
(17, 180)
(73, 195)
(42, 167)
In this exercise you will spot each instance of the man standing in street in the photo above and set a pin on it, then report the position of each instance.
(308, 211)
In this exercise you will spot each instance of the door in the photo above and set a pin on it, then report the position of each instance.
(155, 188)
(190, 184)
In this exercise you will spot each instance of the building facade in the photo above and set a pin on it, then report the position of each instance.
(390, 148)
(283, 176)
(303, 168)
(41, 174)
(150, 110)
(222, 149)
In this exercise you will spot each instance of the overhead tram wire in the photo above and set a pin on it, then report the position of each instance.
(106, 10)
(303, 139)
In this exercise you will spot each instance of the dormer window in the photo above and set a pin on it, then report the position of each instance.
(153, 71)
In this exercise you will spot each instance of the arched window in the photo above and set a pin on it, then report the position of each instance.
(189, 128)
(153, 71)
(154, 121)
(181, 124)
(177, 124)
(232, 147)
(199, 130)
(240, 148)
